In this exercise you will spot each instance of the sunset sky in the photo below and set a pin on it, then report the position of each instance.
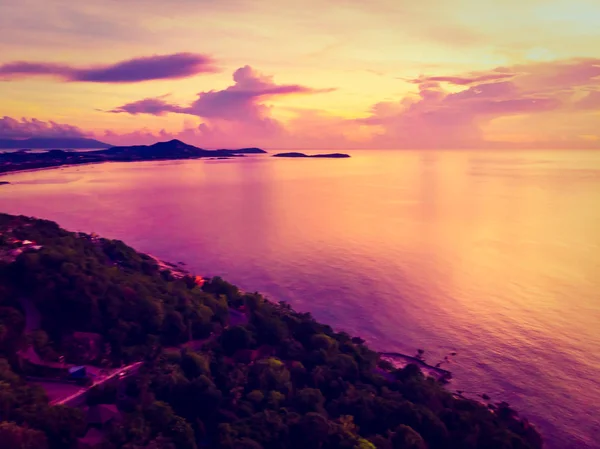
(304, 74)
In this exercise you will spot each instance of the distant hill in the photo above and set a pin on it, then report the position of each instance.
(171, 150)
(52, 142)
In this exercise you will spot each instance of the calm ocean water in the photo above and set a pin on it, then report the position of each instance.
(495, 255)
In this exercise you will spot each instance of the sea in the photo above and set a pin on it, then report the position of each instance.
(494, 255)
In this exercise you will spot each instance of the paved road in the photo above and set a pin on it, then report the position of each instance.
(121, 372)
(236, 319)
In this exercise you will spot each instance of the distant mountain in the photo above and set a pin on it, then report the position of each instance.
(52, 142)
(171, 150)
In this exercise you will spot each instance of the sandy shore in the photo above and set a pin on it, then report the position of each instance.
(53, 167)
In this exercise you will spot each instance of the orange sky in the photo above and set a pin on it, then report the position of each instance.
(311, 74)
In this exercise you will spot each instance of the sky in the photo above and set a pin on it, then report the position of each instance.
(304, 74)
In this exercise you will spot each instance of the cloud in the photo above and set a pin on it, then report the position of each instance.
(436, 118)
(242, 99)
(153, 106)
(11, 128)
(238, 102)
(590, 101)
(463, 80)
(173, 66)
(545, 105)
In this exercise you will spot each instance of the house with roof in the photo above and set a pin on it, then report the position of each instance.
(92, 439)
(98, 418)
(100, 415)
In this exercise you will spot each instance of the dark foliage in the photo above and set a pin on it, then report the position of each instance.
(275, 379)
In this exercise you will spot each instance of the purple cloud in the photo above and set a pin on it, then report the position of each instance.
(11, 128)
(238, 102)
(456, 117)
(178, 65)
(153, 106)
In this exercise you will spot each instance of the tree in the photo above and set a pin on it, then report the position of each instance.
(16, 437)
(312, 430)
(160, 442)
(61, 424)
(151, 314)
(218, 286)
(235, 338)
(247, 443)
(270, 329)
(7, 400)
(364, 444)
(194, 365)
(255, 396)
(309, 400)
(406, 438)
(322, 341)
(269, 374)
(344, 366)
(182, 434)
(174, 328)
(159, 415)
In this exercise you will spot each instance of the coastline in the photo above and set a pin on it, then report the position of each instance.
(52, 167)
(161, 151)
(55, 167)
(279, 338)
(397, 359)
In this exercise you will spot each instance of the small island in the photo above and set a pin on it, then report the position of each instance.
(103, 346)
(298, 155)
(3, 183)
(171, 150)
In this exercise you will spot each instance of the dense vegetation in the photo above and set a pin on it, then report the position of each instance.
(80, 283)
(268, 377)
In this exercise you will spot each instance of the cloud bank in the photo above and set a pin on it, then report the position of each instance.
(538, 105)
(436, 118)
(158, 67)
(11, 128)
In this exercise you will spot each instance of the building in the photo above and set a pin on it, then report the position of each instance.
(98, 418)
(92, 439)
(100, 415)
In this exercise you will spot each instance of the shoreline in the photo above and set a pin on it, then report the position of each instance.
(52, 167)
(440, 374)
(369, 366)
(55, 167)
(14, 162)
